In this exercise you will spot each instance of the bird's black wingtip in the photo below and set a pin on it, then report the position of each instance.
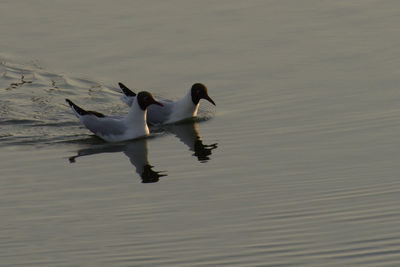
(126, 90)
(75, 107)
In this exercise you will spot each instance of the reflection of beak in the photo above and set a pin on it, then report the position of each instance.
(209, 100)
(157, 103)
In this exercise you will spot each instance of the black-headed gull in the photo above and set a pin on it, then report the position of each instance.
(115, 128)
(172, 111)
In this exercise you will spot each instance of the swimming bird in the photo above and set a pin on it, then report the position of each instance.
(172, 111)
(116, 128)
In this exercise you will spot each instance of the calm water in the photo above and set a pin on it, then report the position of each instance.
(297, 165)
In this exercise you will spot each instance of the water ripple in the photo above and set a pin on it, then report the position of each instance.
(33, 109)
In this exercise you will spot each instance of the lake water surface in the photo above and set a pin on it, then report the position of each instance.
(298, 164)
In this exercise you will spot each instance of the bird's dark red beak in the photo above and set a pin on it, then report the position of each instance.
(209, 100)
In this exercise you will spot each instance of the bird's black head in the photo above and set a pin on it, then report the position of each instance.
(199, 91)
(145, 99)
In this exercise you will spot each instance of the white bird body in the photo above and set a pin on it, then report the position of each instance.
(171, 111)
(115, 128)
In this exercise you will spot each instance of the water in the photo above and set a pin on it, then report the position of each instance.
(297, 164)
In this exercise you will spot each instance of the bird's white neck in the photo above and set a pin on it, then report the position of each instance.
(137, 116)
(185, 108)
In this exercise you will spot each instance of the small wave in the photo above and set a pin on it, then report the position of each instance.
(32, 103)
(16, 122)
(33, 108)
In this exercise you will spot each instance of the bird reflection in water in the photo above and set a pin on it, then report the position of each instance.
(188, 133)
(136, 151)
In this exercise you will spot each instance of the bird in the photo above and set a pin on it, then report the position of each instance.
(117, 128)
(171, 111)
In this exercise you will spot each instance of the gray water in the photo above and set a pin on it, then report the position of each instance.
(298, 164)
